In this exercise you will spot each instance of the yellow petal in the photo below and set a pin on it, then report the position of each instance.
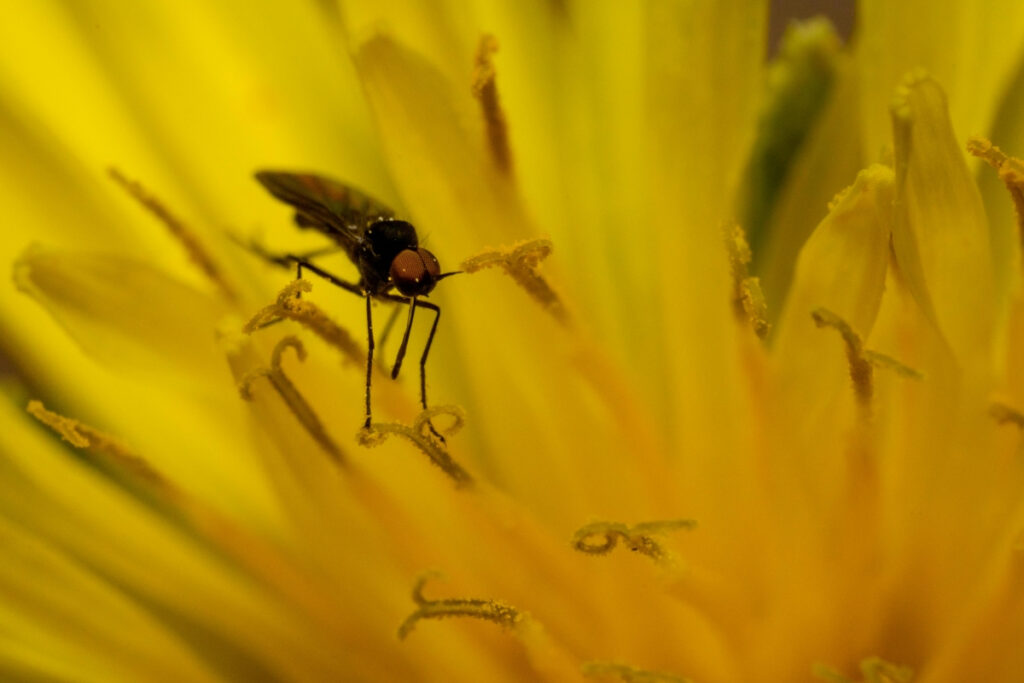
(842, 269)
(169, 94)
(123, 312)
(829, 157)
(941, 239)
(972, 49)
(800, 81)
(59, 611)
(70, 507)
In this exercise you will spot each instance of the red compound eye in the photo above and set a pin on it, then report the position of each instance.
(415, 272)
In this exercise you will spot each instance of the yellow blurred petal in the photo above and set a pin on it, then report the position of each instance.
(70, 508)
(193, 99)
(842, 269)
(973, 49)
(696, 133)
(123, 312)
(434, 139)
(59, 605)
(800, 81)
(941, 238)
(828, 158)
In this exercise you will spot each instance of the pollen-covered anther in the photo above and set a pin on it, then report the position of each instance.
(600, 538)
(298, 405)
(485, 89)
(290, 306)
(748, 299)
(1004, 414)
(111, 451)
(862, 362)
(420, 433)
(629, 674)
(872, 670)
(1011, 172)
(488, 610)
(520, 262)
(197, 253)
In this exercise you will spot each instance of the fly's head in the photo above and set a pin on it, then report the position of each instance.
(414, 272)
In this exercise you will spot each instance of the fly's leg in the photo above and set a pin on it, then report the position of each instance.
(426, 350)
(301, 263)
(415, 303)
(386, 332)
(369, 358)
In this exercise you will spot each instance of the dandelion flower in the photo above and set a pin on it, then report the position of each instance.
(730, 381)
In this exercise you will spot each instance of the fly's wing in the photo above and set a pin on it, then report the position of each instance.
(325, 204)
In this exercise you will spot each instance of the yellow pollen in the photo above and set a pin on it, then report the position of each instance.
(485, 89)
(1011, 172)
(289, 305)
(872, 670)
(193, 247)
(291, 396)
(638, 538)
(520, 262)
(419, 434)
(748, 299)
(110, 452)
(628, 673)
(862, 362)
(489, 610)
(1004, 414)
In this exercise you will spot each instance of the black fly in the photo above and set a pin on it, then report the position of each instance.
(384, 249)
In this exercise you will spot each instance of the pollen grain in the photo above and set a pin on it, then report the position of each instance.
(520, 262)
(600, 538)
(419, 434)
(485, 89)
(299, 406)
(197, 253)
(488, 610)
(289, 305)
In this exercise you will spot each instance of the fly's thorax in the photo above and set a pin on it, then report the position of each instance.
(378, 246)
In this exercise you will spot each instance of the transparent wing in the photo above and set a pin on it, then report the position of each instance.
(322, 203)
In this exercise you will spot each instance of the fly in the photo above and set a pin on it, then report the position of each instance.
(384, 249)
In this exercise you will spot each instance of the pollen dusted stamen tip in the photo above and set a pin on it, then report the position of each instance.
(485, 89)
(419, 433)
(488, 610)
(862, 362)
(629, 674)
(520, 262)
(291, 396)
(197, 253)
(1010, 170)
(638, 538)
(290, 306)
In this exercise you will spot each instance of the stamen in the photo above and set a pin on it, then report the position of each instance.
(485, 89)
(860, 369)
(638, 537)
(1011, 172)
(520, 262)
(193, 247)
(103, 445)
(291, 396)
(1004, 414)
(419, 434)
(748, 299)
(289, 305)
(489, 610)
(629, 674)
(862, 362)
(872, 670)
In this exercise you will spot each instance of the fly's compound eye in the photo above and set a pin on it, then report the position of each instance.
(414, 272)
